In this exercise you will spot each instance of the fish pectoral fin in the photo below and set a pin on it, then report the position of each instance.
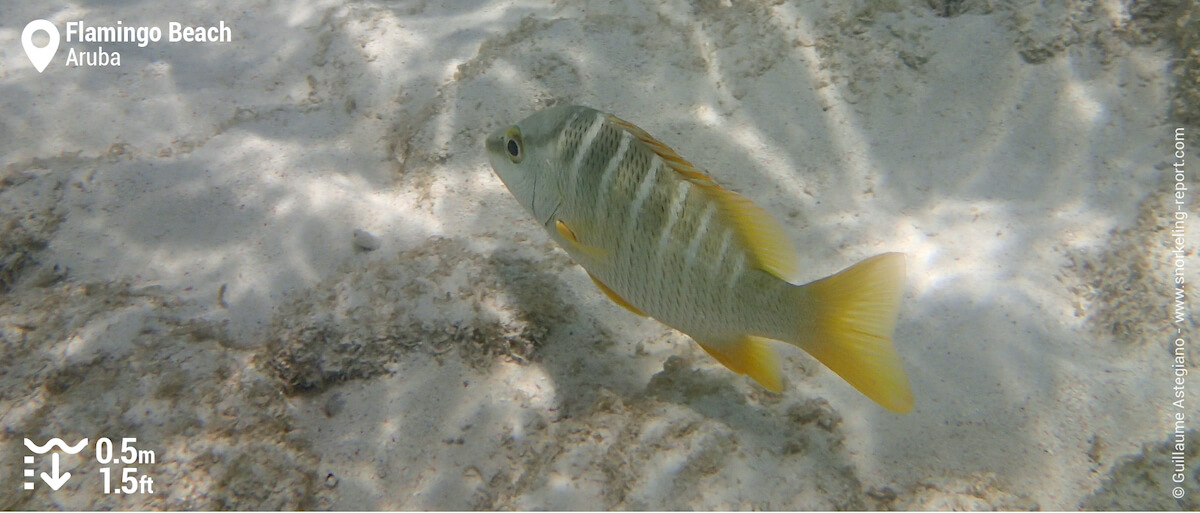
(569, 236)
(614, 297)
(749, 355)
(566, 233)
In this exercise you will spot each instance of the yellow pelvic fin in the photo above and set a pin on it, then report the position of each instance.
(749, 355)
(854, 317)
(566, 233)
(614, 297)
(758, 229)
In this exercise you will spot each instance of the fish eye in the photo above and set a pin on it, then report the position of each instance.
(512, 145)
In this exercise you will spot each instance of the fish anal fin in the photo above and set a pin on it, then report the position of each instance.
(616, 298)
(749, 355)
(572, 240)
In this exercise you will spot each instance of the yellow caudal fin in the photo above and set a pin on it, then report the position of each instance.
(749, 355)
(854, 314)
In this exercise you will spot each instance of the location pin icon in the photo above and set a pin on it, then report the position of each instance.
(40, 57)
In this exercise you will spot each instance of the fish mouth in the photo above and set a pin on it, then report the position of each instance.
(495, 141)
(495, 145)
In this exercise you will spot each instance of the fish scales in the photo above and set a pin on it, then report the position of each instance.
(663, 239)
(639, 250)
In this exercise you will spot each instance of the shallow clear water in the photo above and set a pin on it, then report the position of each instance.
(283, 264)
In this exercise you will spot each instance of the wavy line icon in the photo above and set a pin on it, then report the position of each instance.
(56, 442)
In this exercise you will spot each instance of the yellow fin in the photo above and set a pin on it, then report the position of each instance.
(761, 233)
(752, 356)
(565, 232)
(758, 229)
(673, 160)
(614, 297)
(854, 317)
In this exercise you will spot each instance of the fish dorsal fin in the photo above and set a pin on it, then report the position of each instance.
(760, 232)
(673, 160)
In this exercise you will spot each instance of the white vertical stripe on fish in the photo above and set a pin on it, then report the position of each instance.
(724, 248)
(701, 230)
(585, 144)
(613, 164)
(643, 192)
(677, 201)
(738, 269)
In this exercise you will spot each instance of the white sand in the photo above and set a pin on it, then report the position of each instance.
(200, 200)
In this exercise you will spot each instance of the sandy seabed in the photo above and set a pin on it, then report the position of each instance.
(283, 264)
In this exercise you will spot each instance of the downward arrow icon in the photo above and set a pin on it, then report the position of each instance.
(53, 479)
